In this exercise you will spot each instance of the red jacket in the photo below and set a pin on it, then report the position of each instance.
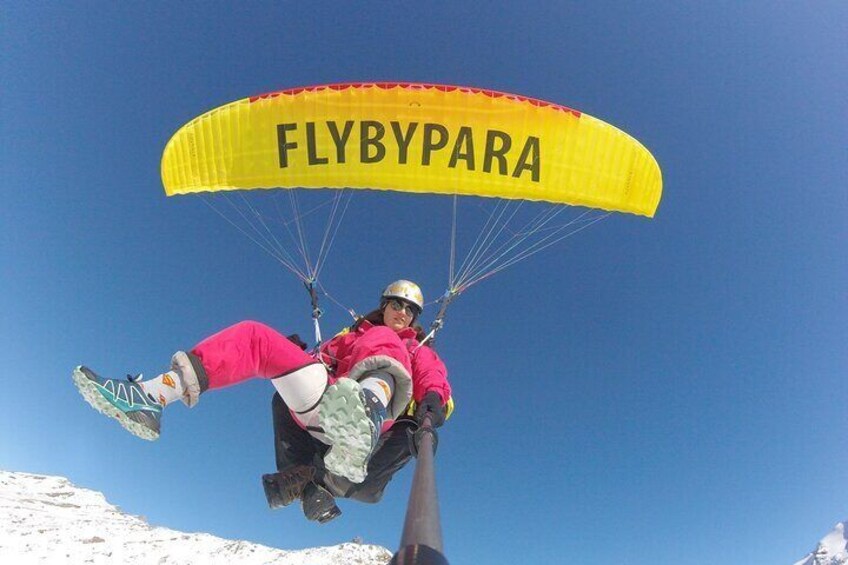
(428, 372)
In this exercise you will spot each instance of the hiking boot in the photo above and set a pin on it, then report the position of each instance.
(124, 401)
(284, 487)
(318, 504)
(351, 419)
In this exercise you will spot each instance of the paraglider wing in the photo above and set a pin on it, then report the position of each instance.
(413, 138)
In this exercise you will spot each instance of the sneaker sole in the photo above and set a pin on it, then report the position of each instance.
(347, 428)
(89, 391)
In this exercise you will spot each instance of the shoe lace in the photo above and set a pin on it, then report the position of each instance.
(297, 479)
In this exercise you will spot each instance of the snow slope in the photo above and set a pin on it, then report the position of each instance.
(831, 550)
(46, 519)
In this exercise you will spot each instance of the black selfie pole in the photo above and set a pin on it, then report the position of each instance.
(421, 542)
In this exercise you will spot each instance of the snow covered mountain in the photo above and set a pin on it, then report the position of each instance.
(831, 550)
(46, 519)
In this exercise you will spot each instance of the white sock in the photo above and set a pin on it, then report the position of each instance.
(382, 385)
(165, 388)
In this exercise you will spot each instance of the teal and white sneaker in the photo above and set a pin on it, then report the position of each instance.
(351, 419)
(124, 401)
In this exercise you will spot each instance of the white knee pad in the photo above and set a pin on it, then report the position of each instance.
(302, 389)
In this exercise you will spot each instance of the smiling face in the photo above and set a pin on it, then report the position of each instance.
(397, 314)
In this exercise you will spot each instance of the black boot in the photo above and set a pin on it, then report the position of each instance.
(284, 487)
(318, 504)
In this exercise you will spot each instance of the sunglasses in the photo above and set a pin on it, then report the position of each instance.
(399, 306)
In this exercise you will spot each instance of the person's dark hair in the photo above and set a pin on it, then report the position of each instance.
(376, 318)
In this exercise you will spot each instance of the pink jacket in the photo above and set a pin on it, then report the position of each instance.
(428, 372)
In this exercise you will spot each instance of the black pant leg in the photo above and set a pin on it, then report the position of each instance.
(292, 444)
(391, 455)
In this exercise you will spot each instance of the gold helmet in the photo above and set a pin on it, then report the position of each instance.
(407, 291)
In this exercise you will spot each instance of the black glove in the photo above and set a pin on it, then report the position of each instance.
(431, 404)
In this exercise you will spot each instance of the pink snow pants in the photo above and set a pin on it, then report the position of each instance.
(246, 350)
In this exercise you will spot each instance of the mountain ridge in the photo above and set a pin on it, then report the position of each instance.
(831, 550)
(49, 519)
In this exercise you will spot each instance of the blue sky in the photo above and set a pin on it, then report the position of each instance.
(651, 391)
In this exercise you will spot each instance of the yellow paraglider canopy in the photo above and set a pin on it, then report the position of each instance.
(408, 137)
